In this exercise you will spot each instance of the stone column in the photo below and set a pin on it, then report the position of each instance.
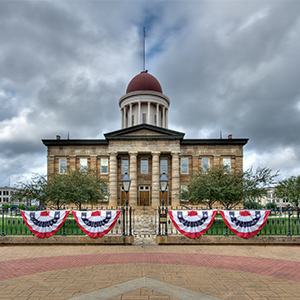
(175, 193)
(113, 178)
(155, 178)
(72, 162)
(133, 178)
(93, 165)
(164, 118)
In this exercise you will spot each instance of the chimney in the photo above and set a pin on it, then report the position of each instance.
(58, 137)
(230, 136)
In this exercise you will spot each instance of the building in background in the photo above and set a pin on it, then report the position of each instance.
(270, 198)
(145, 148)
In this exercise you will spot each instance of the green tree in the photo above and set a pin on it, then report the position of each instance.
(289, 190)
(227, 188)
(80, 188)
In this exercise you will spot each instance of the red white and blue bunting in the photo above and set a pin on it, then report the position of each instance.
(246, 223)
(192, 223)
(44, 223)
(96, 223)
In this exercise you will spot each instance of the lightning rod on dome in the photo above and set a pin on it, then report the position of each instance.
(144, 52)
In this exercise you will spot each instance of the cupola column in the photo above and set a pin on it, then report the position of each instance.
(139, 112)
(148, 114)
(130, 115)
(167, 121)
(157, 115)
(164, 117)
(124, 117)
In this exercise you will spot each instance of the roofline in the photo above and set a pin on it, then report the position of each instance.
(76, 142)
(164, 131)
(238, 141)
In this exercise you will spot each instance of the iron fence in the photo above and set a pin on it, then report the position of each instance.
(12, 222)
(284, 221)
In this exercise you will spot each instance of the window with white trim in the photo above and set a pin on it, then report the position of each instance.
(83, 164)
(124, 165)
(104, 165)
(62, 165)
(184, 165)
(144, 166)
(164, 165)
(227, 165)
(205, 164)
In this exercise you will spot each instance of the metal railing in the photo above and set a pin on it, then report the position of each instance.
(12, 222)
(284, 221)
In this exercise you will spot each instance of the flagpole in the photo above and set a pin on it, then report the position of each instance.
(144, 59)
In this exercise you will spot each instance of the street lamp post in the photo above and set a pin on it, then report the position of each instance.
(126, 186)
(163, 209)
(163, 184)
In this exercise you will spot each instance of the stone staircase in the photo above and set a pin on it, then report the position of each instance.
(145, 224)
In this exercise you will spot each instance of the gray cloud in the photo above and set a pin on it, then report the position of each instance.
(225, 65)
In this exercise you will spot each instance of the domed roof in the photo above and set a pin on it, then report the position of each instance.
(144, 82)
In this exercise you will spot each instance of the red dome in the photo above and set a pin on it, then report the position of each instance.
(144, 82)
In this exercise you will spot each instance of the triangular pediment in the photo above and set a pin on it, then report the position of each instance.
(144, 131)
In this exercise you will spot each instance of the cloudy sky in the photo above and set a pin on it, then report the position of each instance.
(230, 66)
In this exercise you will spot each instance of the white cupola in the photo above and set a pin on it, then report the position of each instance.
(144, 102)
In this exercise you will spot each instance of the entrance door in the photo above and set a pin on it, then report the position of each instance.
(144, 195)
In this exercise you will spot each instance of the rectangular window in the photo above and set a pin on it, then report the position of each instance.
(227, 164)
(62, 165)
(144, 166)
(83, 164)
(105, 189)
(144, 117)
(184, 165)
(205, 164)
(132, 120)
(155, 120)
(124, 166)
(164, 165)
(104, 165)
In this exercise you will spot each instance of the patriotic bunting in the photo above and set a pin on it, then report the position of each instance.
(96, 223)
(44, 223)
(192, 223)
(246, 223)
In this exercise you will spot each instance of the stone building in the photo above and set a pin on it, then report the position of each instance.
(145, 148)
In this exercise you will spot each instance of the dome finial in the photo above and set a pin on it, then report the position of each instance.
(144, 52)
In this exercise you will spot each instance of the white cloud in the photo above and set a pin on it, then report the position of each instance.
(229, 66)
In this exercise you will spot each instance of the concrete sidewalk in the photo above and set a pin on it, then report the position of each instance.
(149, 272)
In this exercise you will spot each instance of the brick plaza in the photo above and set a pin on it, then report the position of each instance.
(149, 272)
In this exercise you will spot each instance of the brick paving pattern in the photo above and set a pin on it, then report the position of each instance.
(225, 272)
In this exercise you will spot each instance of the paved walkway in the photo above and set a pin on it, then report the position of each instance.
(149, 272)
